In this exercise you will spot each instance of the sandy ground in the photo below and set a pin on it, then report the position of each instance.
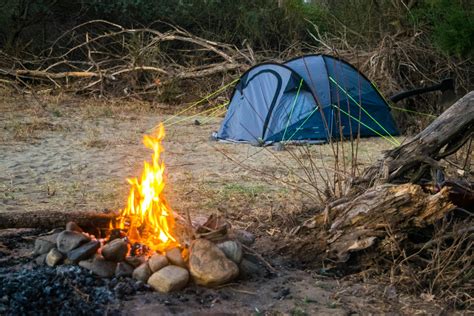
(73, 154)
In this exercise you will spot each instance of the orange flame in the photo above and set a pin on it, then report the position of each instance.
(148, 219)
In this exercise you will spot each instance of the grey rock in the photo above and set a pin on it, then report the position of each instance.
(53, 237)
(116, 250)
(72, 226)
(83, 252)
(135, 261)
(142, 273)
(68, 240)
(243, 236)
(99, 266)
(41, 259)
(45, 243)
(169, 278)
(54, 257)
(156, 262)
(209, 266)
(43, 246)
(174, 256)
(123, 270)
(232, 249)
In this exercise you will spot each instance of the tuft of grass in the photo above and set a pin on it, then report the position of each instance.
(28, 131)
(298, 311)
(94, 140)
(238, 190)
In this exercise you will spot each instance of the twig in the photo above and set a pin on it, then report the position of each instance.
(269, 266)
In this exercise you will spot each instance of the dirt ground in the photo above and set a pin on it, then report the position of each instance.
(64, 153)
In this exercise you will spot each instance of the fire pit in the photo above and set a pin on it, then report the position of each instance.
(143, 242)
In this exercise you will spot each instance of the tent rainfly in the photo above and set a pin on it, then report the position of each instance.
(309, 99)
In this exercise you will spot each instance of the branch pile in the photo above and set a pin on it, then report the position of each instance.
(99, 56)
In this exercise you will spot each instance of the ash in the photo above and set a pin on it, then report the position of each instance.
(64, 290)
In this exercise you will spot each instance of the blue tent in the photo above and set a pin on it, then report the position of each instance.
(308, 99)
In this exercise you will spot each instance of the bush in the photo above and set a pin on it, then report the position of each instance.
(262, 23)
(451, 23)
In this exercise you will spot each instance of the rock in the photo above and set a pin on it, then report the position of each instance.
(123, 270)
(41, 259)
(156, 262)
(248, 269)
(174, 256)
(45, 243)
(99, 266)
(208, 264)
(43, 246)
(116, 250)
(245, 237)
(169, 278)
(73, 227)
(135, 261)
(54, 257)
(232, 249)
(83, 252)
(68, 240)
(53, 237)
(142, 273)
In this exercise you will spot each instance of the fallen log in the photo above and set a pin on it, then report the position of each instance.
(355, 225)
(388, 203)
(412, 160)
(54, 219)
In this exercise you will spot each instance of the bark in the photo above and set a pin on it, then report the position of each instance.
(373, 217)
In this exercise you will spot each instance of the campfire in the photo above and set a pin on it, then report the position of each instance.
(147, 218)
(142, 240)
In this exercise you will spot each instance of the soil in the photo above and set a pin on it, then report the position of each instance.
(64, 153)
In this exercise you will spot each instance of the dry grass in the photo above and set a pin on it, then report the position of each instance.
(440, 268)
(29, 131)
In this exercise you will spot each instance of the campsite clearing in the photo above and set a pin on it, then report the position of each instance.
(74, 154)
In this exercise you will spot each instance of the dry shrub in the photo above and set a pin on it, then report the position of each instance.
(440, 267)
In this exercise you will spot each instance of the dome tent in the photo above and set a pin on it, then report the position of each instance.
(308, 99)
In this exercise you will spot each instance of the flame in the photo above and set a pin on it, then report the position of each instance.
(148, 219)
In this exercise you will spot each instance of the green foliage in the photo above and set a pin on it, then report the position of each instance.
(262, 23)
(32, 24)
(265, 24)
(452, 24)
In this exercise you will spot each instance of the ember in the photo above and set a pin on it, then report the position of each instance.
(148, 219)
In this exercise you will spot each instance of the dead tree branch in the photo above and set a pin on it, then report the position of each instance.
(441, 138)
(118, 58)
